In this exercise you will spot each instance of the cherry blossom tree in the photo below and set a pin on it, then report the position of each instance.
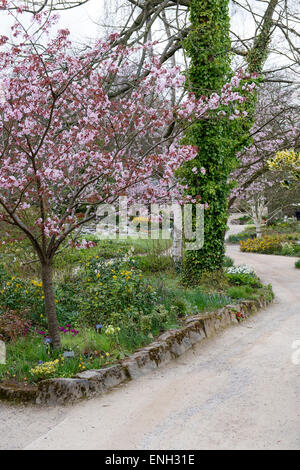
(67, 145)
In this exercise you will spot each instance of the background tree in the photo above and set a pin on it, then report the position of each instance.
(267, 200)
(276, 127)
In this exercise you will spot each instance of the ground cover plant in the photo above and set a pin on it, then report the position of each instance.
(281, 238)
(106, 309)
(271, 244)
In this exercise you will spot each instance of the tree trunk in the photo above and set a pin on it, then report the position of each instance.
(50, 307)
(258, 230)
(208, 47)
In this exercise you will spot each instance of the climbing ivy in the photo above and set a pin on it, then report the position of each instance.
(218, 140)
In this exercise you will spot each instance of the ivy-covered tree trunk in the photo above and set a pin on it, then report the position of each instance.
(208, 46)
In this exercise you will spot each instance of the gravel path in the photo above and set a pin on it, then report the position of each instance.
(239, 390)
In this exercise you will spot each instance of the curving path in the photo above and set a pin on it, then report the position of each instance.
(239, 390)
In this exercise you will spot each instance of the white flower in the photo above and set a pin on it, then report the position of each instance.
(242, 269)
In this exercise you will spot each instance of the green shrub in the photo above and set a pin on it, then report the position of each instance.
(268, 244)
(243, 279)
(228, 262)
(284, 227)
(297, 264)
(115, 293)
(240, 236)
(154, 263)
(245, 219)
(240, 292)
(267, 293)
(13, 325)
(297, 250)
(287, 249)
(214, 280)
(21, 295)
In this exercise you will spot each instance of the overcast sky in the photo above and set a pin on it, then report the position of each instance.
(84, 21)
(81, 21)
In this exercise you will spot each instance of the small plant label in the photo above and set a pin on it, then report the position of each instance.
(69, 354)
(2, 352)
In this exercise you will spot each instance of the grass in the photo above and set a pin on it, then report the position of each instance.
(241, 292)
(152, 263)
(140, 245)
(215, 291)
(204, 301)
(17, 257)
(238, 293)
(25, 354)
(93, 350)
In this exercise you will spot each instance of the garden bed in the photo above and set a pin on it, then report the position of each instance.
(168, 346)
(279, 239)
(107, 309)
